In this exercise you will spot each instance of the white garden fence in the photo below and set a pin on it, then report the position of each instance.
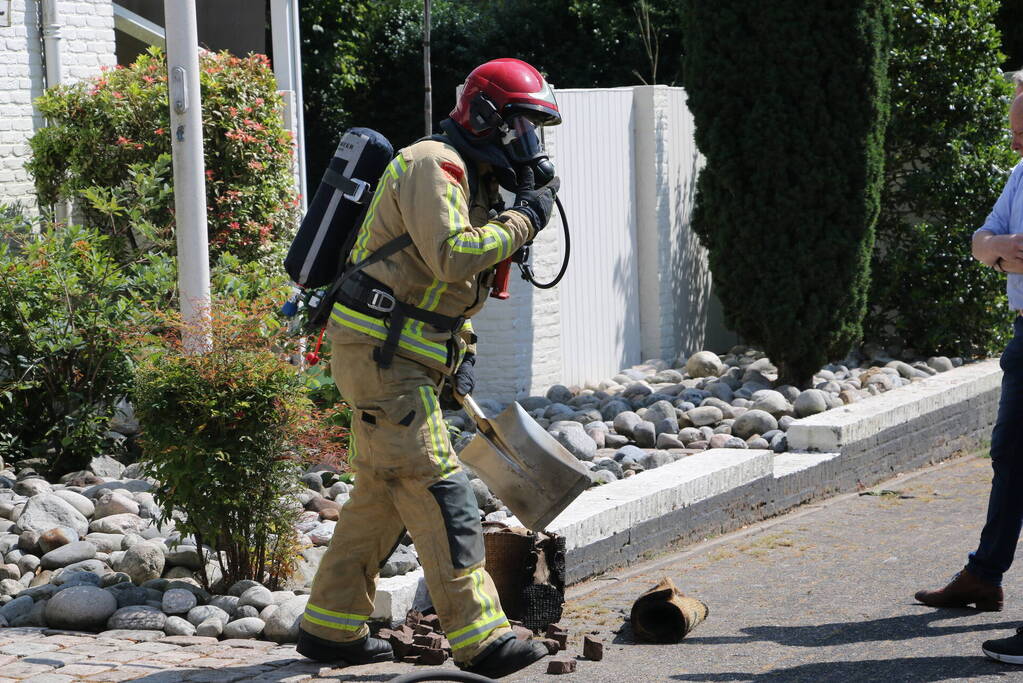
(637, 286)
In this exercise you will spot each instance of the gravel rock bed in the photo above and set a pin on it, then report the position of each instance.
(87, 554)
(655, 413)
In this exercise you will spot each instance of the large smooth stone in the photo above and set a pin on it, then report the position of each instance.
(70, 553)
(248, 627)
(110, 503)
(198, 615)
(137, 618)
(80, 608)
(48, 510)
(56, 537)
(257, 596)
(704, 364)
(753, 422)
(125, 523)
(142, 562)
(282, 624)
(178, 601)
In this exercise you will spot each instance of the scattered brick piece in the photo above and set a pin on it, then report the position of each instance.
(413, 618)
(433, 657)
(553, 647)
(423, 629)
(410, 659)
(561, 639)
(593, 648)
(561, 665)
(432, 620)
(555, 628)
(521, 632)
(384, 633)
(445, 645)
(401, 643)
(430, 640)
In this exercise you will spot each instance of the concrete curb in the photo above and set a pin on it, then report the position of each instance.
(721, 490)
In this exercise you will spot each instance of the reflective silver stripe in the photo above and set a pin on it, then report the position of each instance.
(322, 615)
(354, 320)
(321, 234)
(477, 632)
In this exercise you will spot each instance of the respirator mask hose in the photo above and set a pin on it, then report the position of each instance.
(527, 270)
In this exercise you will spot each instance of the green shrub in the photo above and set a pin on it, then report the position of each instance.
(790, 102)
(219, 435)
(103, 127)
(947, 159)
(70, 314)
(65, 306)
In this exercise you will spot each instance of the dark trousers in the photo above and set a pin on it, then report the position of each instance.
(1005, 506)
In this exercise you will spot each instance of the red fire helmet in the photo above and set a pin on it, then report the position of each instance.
(499, 89)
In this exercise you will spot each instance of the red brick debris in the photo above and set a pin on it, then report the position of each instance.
(561, 665)
(593, 649)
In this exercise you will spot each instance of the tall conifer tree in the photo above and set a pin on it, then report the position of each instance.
(790, 101)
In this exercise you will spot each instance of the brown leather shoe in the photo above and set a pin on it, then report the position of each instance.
(964, 590)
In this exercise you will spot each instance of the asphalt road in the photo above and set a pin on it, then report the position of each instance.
(822, 594)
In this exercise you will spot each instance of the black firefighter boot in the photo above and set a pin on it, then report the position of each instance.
(506, 655)
(362, 651)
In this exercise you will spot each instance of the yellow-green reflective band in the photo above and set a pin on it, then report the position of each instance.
(338, 620)
(394, 169)
(359, 252)
(495, 237)
(476, 631)
(485, 600)
(359, 322)
(430, 300)
(454, 215)
(353, 451)
(437, 437)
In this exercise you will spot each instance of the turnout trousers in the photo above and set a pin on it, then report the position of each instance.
(407, 477)
(1000, 535)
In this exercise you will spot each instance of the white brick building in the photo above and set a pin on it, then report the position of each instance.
(84, 41)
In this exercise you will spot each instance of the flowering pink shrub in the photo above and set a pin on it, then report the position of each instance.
(100, 127)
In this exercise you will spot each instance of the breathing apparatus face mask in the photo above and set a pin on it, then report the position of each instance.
(523, 143)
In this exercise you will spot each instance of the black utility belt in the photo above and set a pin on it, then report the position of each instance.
(371, 297)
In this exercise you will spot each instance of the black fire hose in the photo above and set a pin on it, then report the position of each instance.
(527, 272)
(442, 675)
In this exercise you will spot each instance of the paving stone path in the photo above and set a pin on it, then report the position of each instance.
(37, 655)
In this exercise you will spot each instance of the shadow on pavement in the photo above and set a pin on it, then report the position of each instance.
(839, 633)
(247, 674)
(908, 670)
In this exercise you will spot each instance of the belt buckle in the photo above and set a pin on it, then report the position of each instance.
(357, 195)
(376, 297)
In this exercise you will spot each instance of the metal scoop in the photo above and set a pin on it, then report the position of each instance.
(533, 474)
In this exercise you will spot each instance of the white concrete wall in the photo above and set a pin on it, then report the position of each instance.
(638, 285)
(86, 45)
(679, 313)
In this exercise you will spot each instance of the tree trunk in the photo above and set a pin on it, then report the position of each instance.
(428, 87)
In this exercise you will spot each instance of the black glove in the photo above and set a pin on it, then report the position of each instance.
(464, 380)
(536, 204)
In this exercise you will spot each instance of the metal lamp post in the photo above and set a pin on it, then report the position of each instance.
(189, 173)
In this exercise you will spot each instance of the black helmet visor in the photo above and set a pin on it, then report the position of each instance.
(521, 140)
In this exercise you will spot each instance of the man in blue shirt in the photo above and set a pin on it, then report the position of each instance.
(999, 244)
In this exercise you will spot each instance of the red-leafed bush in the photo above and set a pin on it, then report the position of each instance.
(120, 119)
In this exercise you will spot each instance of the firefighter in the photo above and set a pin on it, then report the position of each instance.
(399, 330)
